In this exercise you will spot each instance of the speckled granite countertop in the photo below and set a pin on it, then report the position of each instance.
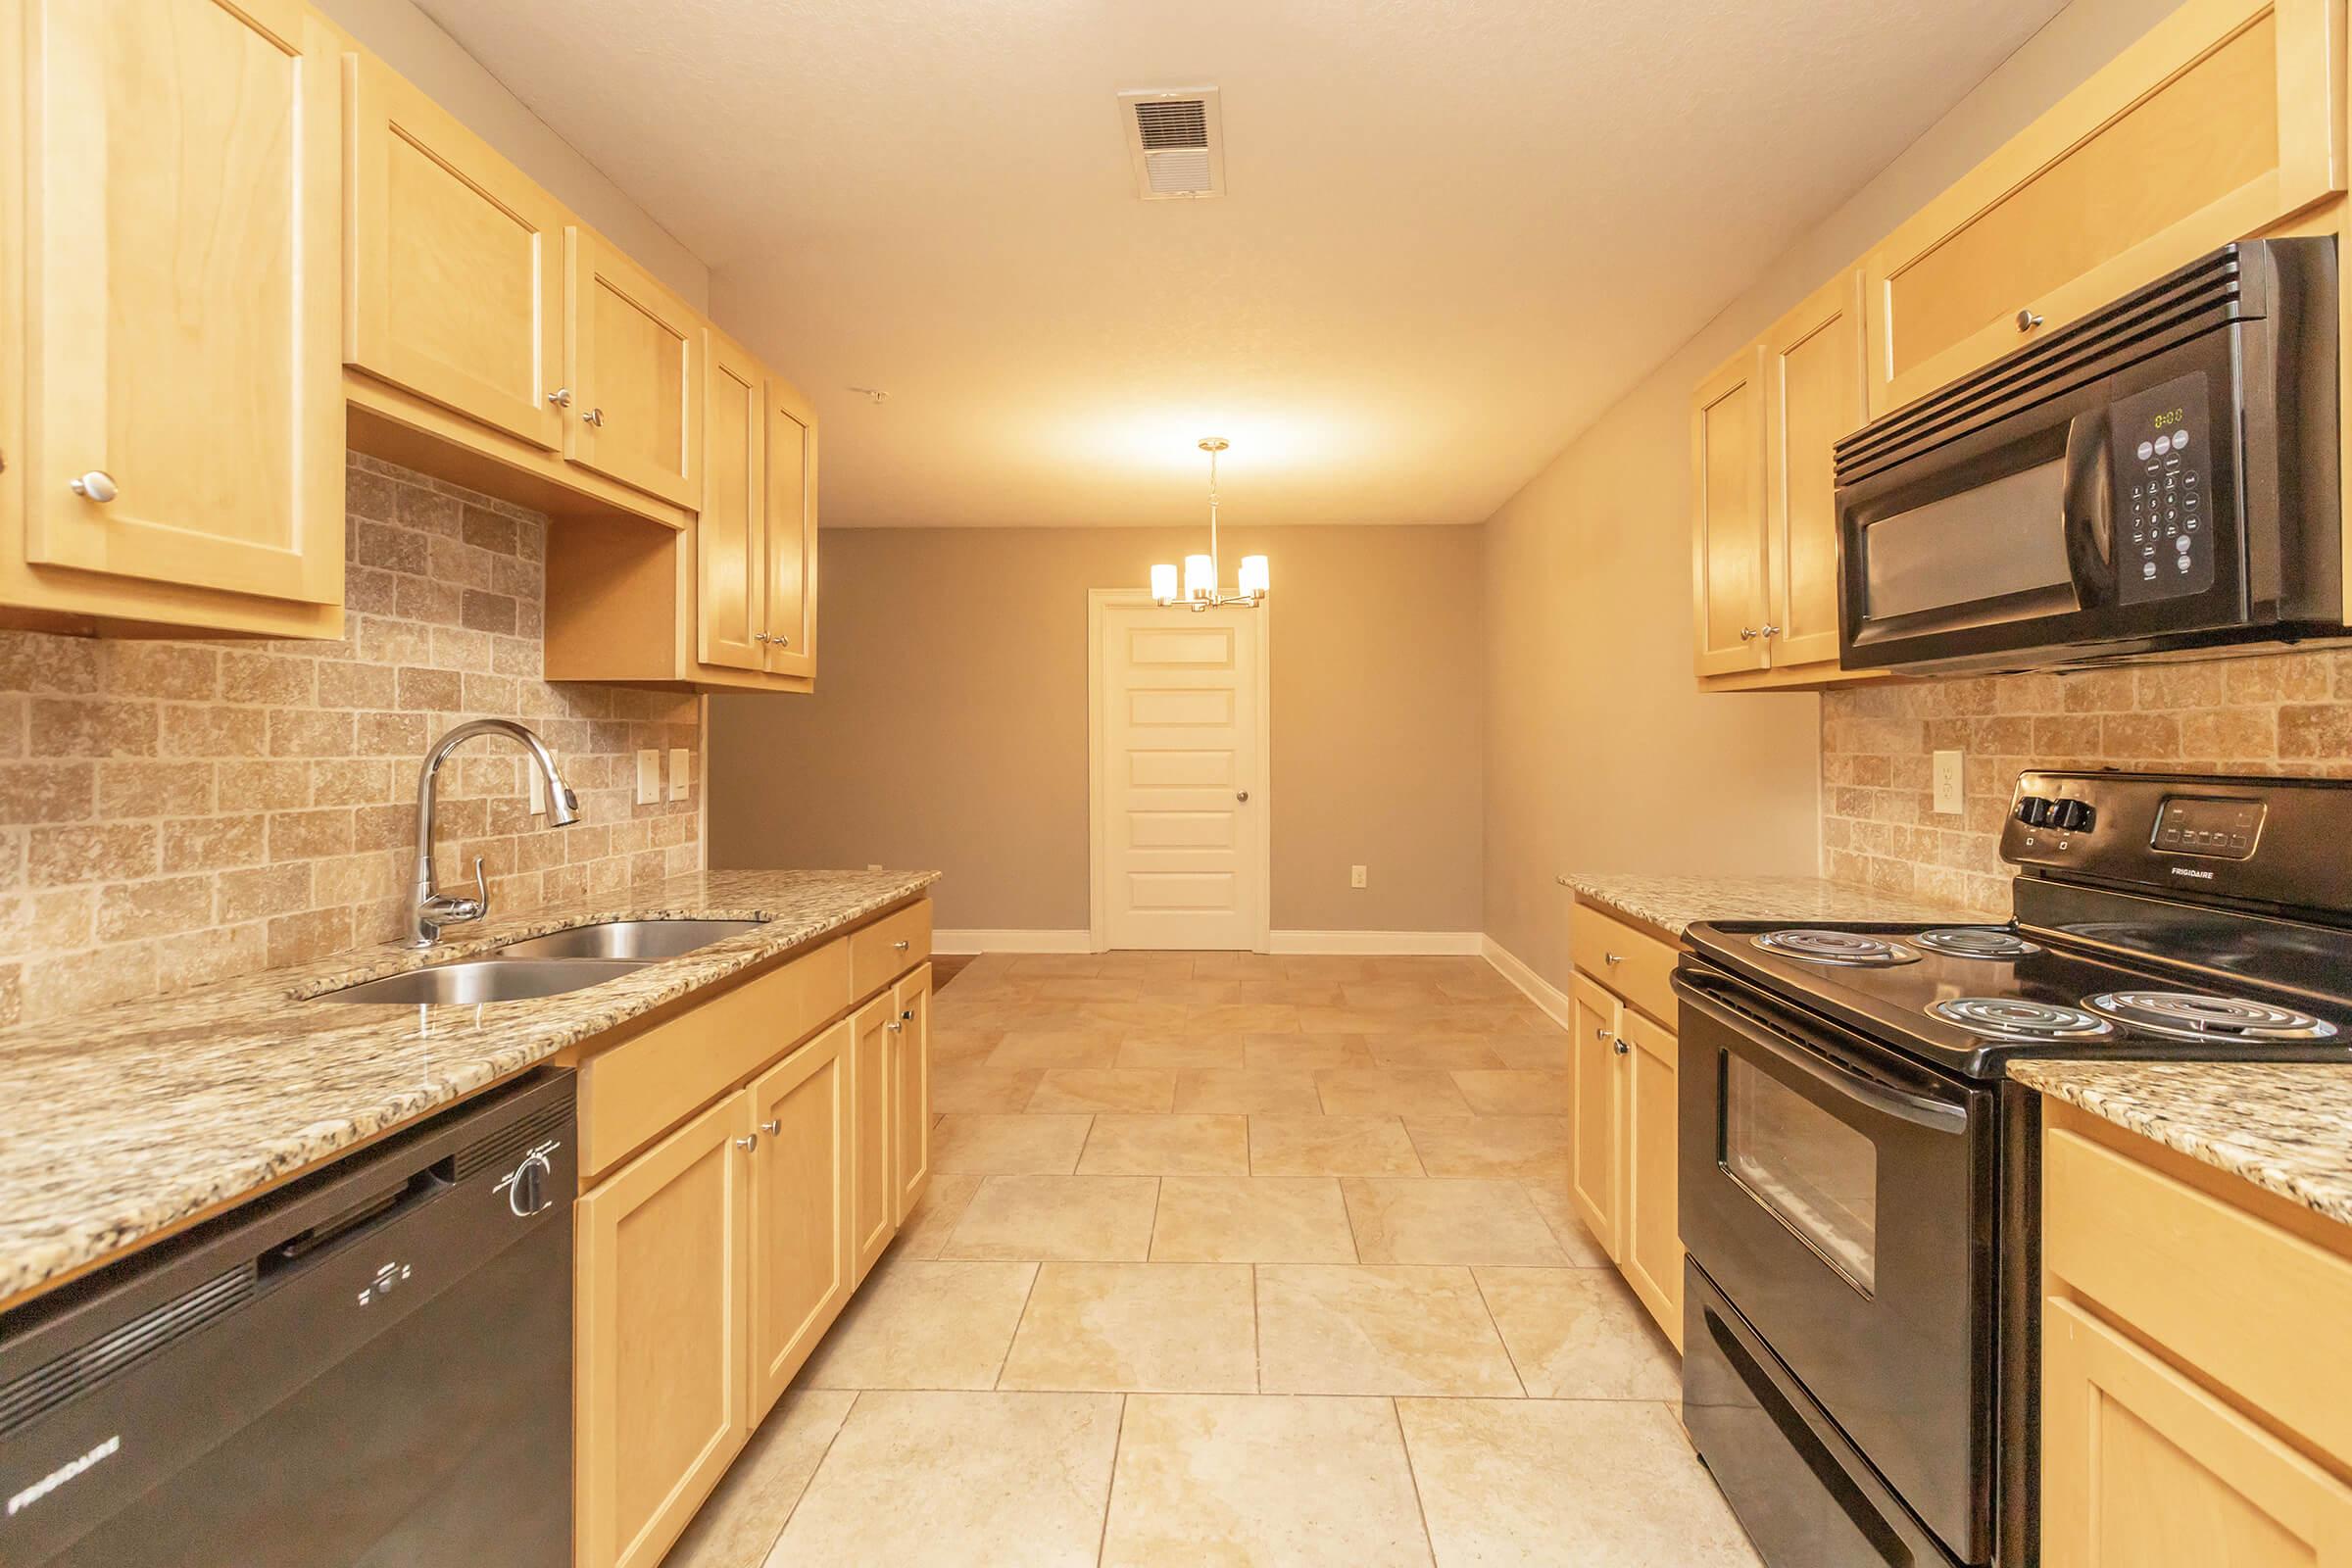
(1672, 902)
(123, 1121)
(2283, 1126)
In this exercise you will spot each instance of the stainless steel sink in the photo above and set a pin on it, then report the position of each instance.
(638, 940)
(478, 980)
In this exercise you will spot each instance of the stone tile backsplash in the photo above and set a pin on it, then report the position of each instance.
(175, 812)
(2277, 713)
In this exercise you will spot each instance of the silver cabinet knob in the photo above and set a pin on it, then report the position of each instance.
(1603, 1034)
(1241, 795)
(1622, 1047)
(900, 945)
(1612, 958)
(749, 1141)
(774, 1129)
(96, 485)
(594, 417)
(1747, 634)
(908, 1014)
(781, 641)
(1768, 631)
(895, 1026)
(2028, 319)
(560, 397)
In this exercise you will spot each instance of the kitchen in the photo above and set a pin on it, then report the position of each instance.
(1727, 948)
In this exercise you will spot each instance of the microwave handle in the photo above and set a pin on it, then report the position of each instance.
(2089, 502)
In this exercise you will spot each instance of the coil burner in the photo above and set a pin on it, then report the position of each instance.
(2190, 1016)
(2014, 1018)
(1850, 948)
(1977, 942)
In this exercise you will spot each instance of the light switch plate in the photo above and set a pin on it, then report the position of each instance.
(538, 791)
(1947, 783)
(649, 777)
(682, 773)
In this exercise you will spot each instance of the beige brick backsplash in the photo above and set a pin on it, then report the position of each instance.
(2272, 712)
(178, 813)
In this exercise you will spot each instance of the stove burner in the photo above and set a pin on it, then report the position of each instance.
(2015, 1018)
(2188, 1015)
(1977, 942)
(1850, 948)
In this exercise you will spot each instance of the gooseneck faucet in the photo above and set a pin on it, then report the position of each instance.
(431, 910)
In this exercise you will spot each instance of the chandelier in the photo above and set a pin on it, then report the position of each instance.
(1201, 575)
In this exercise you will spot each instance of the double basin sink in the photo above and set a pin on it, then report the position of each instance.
(547, 966)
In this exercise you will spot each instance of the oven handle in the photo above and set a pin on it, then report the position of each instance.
(1846, 1079)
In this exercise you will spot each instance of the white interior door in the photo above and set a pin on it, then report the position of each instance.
(1180, 799)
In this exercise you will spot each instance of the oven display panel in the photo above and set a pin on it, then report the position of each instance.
(2163, 479)
(2224, 829)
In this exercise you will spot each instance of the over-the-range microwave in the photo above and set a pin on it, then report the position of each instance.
(2159, 475)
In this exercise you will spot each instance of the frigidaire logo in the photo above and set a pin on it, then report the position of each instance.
(2190, 871)
(62, 1474)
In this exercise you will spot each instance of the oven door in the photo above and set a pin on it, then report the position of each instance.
(1842, 1196)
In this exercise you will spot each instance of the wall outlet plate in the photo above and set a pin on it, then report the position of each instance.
(649, 777)
(1947, 783)
(682, 773)
(1358, 877)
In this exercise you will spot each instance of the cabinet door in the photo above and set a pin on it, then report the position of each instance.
(455, 263)
(911, 1091)
(631, 347)
(2143, 1468)
(730, 559)
(663, 1296)
(1593, 1160)
(1813, 380)
(184, 239)
(2218, 122)
(1727, 521)
(873, 1212)
(791, 616)
(800, 1208)
(1651, 1253)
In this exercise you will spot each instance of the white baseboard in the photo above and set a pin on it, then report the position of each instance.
(1376, 944)
(1540, 991)
(976, 941)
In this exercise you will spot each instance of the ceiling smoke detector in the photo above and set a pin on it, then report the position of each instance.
(1176, 140)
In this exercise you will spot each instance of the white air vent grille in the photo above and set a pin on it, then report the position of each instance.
(1176, 142)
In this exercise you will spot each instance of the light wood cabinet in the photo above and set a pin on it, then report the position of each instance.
(800, 1112)
(1651, 1240)
(789, 613)
(173, 312)
(1728, 521)
(632, 350)
(731, 533)
(874, 1209)
(911, 1092)
(1594, 1089)
(663, 1354)
(2222, 118)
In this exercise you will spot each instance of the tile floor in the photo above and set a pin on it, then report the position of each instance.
(1234, 1259)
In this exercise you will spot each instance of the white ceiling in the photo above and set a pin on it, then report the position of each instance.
(1457, 228)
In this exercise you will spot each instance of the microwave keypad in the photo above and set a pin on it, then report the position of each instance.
(2163, 480)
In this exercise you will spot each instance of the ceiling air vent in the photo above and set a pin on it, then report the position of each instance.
(1176, 142)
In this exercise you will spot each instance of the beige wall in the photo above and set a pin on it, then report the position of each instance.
(172, 812)
(1601, 755)
(950, 724)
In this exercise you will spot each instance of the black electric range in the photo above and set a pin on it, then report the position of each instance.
(1859, 1181)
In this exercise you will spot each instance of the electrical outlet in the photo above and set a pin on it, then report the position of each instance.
(538, 791)
(682, 773)
(1947, 783)
(1358, 877)
(649, 777)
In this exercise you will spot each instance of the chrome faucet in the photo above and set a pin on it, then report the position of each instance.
(432, 911)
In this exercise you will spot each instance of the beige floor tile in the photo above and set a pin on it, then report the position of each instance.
(1137, 988)
(1331, 1146)
(1295, 993)
(1137, 1328)
(1550, 1197)
(953, 1480)
(1271, 1482)
(1391, 993)
(1542, 1052)
(1239, 1090)
(743, 1518)
(1580, 1333)
(1050, 965)
(1251, 1219)
(1104, 1218)
(1018, 1145)
(936, 1214)
(1105, 1089)
(1526, 1148)
(1600, 1484)
(1449, 1053)
(1417, 1219)
(1237, 1018)
(1514, 1094)
(1069, 1047)
(918, 1325)
(1362, 1329)
(1341, 1019)
(982, 1089)
(1295, 1053)
(953, 1047)
(1176, 1053)
(1389, 1091)
(1166, 1145)
(1238, 966)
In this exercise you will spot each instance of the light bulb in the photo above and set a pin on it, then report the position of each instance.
(1254, 580)
(1200, 577)
(1164, 583)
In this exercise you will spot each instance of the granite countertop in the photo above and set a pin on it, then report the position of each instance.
(126, 1120)
(2284, 1126)
(1672, 902)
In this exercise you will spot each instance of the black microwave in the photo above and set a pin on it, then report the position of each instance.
(2159, 475)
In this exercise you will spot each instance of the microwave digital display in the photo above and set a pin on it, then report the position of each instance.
(2163, 483)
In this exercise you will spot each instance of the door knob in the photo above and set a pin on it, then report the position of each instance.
(96, 485)
(774, 1129)
(1241, 795)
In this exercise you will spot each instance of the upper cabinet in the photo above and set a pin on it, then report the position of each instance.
(173, 314)
(633, 351)
(731, 532)
(1812, 399)
(1726, 516)
(2223, 119)
(790, 614)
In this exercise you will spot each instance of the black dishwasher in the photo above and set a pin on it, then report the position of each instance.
(370, 1368)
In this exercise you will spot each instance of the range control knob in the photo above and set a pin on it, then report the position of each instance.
(2032, 809)
(2069, 817)
(526, 1194)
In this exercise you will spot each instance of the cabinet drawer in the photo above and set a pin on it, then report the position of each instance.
(888, 947)
(646, 1084)
(1629, 962)
(2241, 1300)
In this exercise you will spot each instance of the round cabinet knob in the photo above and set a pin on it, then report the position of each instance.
(1241, 795)
(594, 417)
(96, 485)
(900, 945)
(774, 1129)
(1612, 958)
(781, 642)
(2028, 319)
(747, 1141)
(1601, 1034)
(526, 1194)
(560, 397)
(1768, 631)
(895, 1027)
(1621, 1047)
(1747, 634)
(908, 1014)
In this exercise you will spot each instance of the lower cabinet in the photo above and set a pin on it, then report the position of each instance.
(874, 1209)
(911, 1091)
(800, 1208)
(1649, 1243)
